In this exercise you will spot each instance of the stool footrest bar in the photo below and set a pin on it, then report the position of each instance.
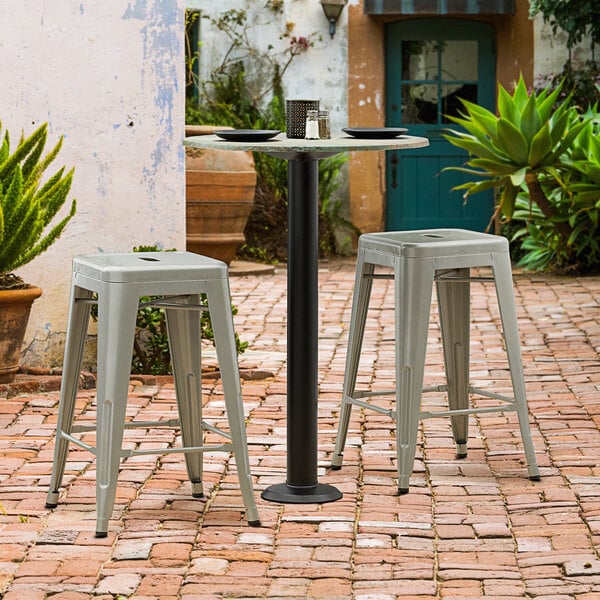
(436, 388)
(487, 394)
(449, 279)
(368, 394)
(227, 447)
(147, 424)
(185, 450)
(78, 442)
(379, 409)
(465, 411)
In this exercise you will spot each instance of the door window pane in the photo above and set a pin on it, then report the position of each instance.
(459, 60)
(435, 74)
(420, 103)
(450, 98)
(420, 60)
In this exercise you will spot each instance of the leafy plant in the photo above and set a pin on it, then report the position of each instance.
(28, 206)
(536, 148)
(577, 18)
(264, 68)
(526, 139)
(581, 83)
(574, 188)
(192, 56)
(542, 248)
(151, 343)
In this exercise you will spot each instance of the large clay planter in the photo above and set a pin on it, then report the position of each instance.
(220, 188)
(15, 306)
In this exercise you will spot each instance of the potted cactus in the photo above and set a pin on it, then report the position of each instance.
(29, 201)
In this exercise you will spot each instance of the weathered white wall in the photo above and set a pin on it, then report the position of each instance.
(320, 73)
(108, 75)
(551, 52)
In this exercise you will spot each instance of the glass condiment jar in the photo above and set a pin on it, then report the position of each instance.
(312, 125)
(324, 125)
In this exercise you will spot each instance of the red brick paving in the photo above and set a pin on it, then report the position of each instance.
(472, 528)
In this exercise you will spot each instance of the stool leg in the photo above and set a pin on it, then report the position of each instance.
(454, 299)
(360, 305)
(183, 328)
(117, 311)
(413, 290)
(508, 315)
(219, 302)
(77, 325)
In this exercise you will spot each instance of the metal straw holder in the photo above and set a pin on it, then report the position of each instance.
(295, 116)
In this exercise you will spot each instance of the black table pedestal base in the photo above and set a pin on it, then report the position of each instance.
(294, 494)
(302, 486)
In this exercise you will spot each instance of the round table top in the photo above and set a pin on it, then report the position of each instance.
(284, 145)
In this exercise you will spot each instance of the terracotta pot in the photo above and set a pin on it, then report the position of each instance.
(220, 188)
(15, 306)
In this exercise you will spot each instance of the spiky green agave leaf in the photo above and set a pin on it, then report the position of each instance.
(27, 208)
(24, 148)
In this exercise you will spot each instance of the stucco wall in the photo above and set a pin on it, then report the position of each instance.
(320, 72)
(108, 75)
(551, 52)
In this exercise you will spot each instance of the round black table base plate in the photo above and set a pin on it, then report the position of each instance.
(289, 494)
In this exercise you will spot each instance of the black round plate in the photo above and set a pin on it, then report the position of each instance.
(374, 133)
(247, 135)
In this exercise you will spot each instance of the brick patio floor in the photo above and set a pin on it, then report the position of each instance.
(474, 528)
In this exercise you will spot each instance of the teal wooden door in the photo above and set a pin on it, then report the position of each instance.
(430, 64)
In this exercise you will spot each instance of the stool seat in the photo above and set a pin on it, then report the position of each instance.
(176, 282)
(149, 267)
(415, 260)
(433, 242)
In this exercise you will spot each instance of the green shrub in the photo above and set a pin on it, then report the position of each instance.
(575, 191)
(543, 157)
(151, 354)
(582, 84)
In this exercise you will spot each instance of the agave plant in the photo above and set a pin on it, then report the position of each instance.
(28, 206)
(519, 147)
(584, 157)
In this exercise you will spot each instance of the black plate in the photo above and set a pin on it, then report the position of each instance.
(374, 133)
(247, 135)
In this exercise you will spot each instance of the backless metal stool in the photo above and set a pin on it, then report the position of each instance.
(119, 280)
(418, 258)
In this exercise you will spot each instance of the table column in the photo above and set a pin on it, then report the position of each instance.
(302, 486)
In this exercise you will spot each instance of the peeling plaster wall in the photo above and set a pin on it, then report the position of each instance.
(108, 75)
(551, 51)
(320, 72)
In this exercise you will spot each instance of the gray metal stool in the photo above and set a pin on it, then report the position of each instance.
(119, 280)
(418, 258)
